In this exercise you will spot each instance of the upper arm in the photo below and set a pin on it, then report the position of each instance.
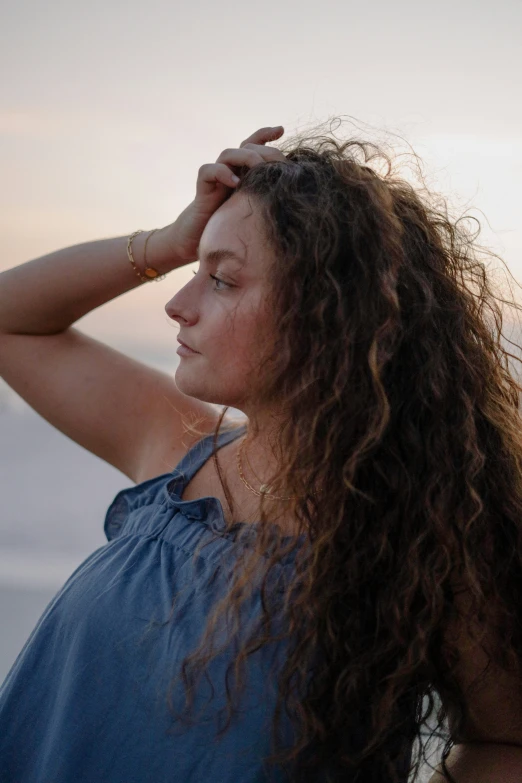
(482, 763)
(128, 414)
(493, 695)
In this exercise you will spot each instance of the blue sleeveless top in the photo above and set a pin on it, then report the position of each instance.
(86, 699)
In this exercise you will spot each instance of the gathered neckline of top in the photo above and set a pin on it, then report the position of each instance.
(197, 508)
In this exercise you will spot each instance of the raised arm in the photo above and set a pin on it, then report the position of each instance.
(128, 414)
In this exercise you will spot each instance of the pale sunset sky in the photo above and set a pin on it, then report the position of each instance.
(109, 108)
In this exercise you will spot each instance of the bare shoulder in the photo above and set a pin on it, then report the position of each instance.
(165, 447)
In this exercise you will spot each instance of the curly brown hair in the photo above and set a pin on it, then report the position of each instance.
(401, 441)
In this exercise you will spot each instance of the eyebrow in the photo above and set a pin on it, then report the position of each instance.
(222, 254)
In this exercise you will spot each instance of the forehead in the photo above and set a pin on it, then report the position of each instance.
(236, 226)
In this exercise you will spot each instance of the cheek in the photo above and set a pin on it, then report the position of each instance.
(238, 338)
(238, 347)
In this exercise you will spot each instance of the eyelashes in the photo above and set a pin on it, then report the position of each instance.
(217, 280)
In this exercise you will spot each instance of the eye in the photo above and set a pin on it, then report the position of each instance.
(217, 279)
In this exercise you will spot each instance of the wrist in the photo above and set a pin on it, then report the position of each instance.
(158, 247)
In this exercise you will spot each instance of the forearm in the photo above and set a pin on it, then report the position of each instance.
(48, 294)
(482, 763)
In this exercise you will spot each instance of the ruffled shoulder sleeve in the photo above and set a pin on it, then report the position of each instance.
(128, 500)
(148, 492)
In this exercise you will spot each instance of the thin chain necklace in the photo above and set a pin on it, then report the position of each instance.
(264, 488)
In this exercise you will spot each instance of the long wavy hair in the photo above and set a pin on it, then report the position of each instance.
(400, 441)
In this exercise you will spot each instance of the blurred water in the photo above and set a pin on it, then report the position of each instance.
(55, 495)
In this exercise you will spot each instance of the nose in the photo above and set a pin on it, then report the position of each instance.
(179, 308)
(169, 309)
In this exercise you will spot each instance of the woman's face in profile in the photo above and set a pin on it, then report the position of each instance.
(224, 320)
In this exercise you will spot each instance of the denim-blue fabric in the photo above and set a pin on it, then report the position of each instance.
(86, 699)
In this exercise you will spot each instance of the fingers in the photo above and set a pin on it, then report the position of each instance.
(263, 135)
(241, 157)
(251, 152)
(267, 153)
(216, 172)
(250, 155)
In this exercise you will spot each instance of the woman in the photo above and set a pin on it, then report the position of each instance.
(284, 599)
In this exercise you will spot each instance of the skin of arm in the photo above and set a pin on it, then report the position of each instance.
(48, 294)
(488, 748)
(482, 762)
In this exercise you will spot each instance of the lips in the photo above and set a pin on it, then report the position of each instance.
(187, 346)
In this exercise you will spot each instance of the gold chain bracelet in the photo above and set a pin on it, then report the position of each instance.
(150, 273)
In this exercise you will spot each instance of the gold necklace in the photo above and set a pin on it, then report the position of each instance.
(264, 488)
